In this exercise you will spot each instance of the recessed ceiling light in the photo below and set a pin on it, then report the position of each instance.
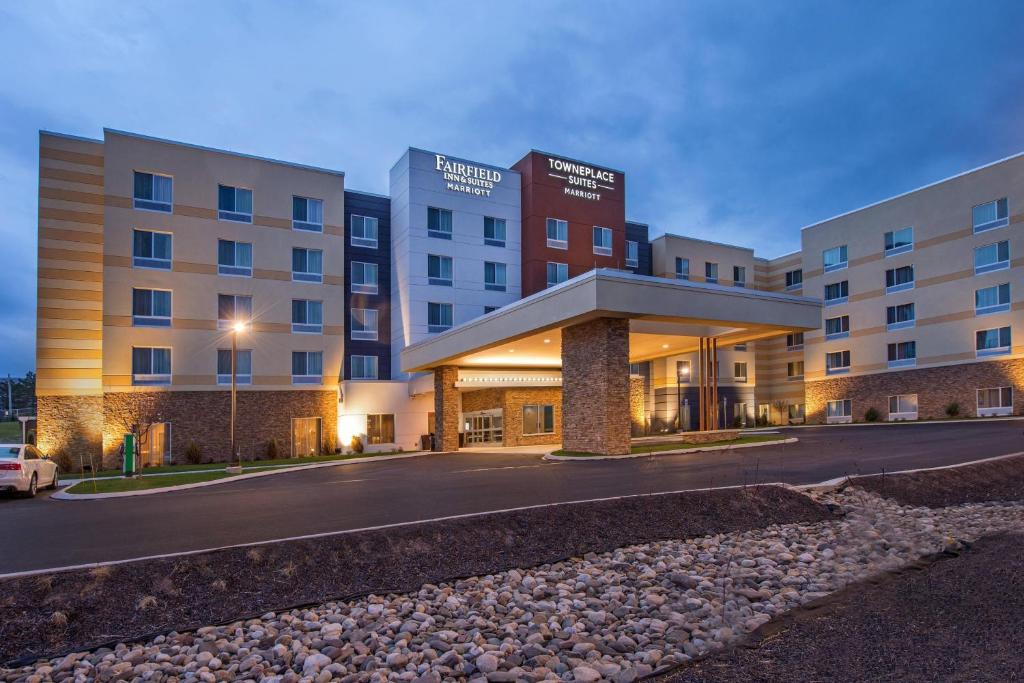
(547, 341)
(511, 350)
(664, 346)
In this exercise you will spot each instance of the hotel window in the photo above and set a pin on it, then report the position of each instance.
(837, 293)
(232, 309)
(995, 401)
(364, 278)
(837, 362)
(439, 270)
(899, 241)
(632, 254)
(151, 366)
(739, 372)
(636, 368)
(538, 419)
(903, 407)
(838, 327)
(380, 429)
(990, 215)
(682, 268)
(840, 411)
(307, 265)
(794, 279)
(795, 341)
(307, 214)
(740, 347)
(602, 241)
(307, 316)
(151, 308)
(994, 342)
(439, 317)
(739, 276)
(795, 369)
(234, 258)
(494, 231)
(234, 204)
(557, 272)
(364, 231)
(558, 233)
(902, 354)
(796, 412)
(363, 367)
(151, 249)
(899, 279)
(490, 309)
(994, 299)
(494, 276)
(834, 258)
(439, 223)
(898, 317)
(363, 324)
(307, 367)
(153, 192)
(991, 257)
(710, 272)
(243, 366)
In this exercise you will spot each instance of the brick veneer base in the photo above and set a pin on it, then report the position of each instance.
(204, 417)
(511, 402)
(72, 425)
(596, 387)
(446, 409)
(936, 388)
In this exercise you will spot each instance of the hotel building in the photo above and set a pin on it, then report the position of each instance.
(483, 304)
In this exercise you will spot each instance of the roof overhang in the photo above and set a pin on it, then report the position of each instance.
(667, 317)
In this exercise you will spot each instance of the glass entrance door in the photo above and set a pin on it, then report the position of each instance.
(155, 448)
(483, 427)
(305, 437)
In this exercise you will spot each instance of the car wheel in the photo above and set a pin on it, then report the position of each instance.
(56, 479)
(33, 486)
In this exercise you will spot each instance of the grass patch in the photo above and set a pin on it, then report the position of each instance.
(246, 465)
(10, 432)
(658, 447)
(142, 483)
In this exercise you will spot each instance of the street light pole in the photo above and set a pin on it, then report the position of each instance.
(237, 329)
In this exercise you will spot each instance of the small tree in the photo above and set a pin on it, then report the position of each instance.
(952, 409)
(136, 417)
(871, 414)
(781, 405)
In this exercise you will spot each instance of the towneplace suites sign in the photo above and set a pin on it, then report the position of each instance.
(468, 178)
(581, 180)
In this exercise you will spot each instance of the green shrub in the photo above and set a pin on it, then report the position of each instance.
(953, 409)
(62, 459)
(193, 453)
(273, 449)
(871, 414)
(357, 445)
(737, 422)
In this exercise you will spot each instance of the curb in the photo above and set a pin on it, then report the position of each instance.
(896, 423)
(681, 451)
(838, 481)
(284, 469)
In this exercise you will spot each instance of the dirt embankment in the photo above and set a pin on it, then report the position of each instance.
(995, 480)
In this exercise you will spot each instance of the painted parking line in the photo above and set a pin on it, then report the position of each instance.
(507, 467)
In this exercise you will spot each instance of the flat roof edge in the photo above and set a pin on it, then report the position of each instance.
(69, 136)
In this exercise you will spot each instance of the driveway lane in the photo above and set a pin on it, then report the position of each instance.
(45, 533)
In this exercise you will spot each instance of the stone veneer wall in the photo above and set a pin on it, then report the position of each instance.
(596, 387)
(637, 411)
(72, 425)
(446, 408)
(511, 402)
(935, 388)
(205, 418)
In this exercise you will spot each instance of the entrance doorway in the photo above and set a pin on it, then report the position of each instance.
(483, 427)
(155, 448)
(305, 437)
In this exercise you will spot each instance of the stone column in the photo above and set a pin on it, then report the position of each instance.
(637, 413)
(595, 387)
(446, 408)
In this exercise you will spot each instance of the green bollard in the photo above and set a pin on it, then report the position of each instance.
(129, 455)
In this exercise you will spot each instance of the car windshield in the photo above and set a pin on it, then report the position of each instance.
(9, 451)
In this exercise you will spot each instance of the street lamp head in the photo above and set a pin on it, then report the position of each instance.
(239, 327)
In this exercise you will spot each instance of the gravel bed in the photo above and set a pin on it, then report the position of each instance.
(982, 482)
(954, 620)
(83, 609)
(620, 615)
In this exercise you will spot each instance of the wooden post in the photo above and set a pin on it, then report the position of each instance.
(714, 380)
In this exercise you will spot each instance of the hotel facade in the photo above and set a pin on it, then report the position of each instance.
(478, 304)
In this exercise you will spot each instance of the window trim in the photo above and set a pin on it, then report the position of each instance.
(225, 379)
(838, 369)
(440, 327)
(901, 249)
(305, 275)
(364, 242)
(226, 324)
(993, 411)
(633, 262)
(234, 271)
(740, 379)
(153, 378)
(842, 334)
(680, 274)
(601, 250)
(440, 234)
(153, 262)
(542, 408)
(496, 286)
(991, 225)
(364, 358)
(906, 362)
(995, 308)
(900, 324)
(839, 301)
(792, 286)
(995, 350)
(555, 242)
(798, 376)
(152, 202)
(900, 415)
(900, 286)
(301, 225)
(795, 346)
(494, 241)
(739, 270)
(307, 378)
(558, 268)
(152, 320)
(363, 287)
(847, 414)
(711, 279)
(307, 327)
(441, 281)
(236, 216)
(363, 335)
(995, 265)
(840, 265)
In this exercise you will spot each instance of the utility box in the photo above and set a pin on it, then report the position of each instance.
(129, 455)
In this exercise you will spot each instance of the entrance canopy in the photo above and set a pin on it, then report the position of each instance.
(666, 317)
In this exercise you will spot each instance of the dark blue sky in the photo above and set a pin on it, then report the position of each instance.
(739, 122)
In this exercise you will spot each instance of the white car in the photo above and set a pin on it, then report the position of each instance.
(25, 469)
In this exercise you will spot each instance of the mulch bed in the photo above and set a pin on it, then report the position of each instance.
(996, 480)
(955, 619)
(81, 609)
